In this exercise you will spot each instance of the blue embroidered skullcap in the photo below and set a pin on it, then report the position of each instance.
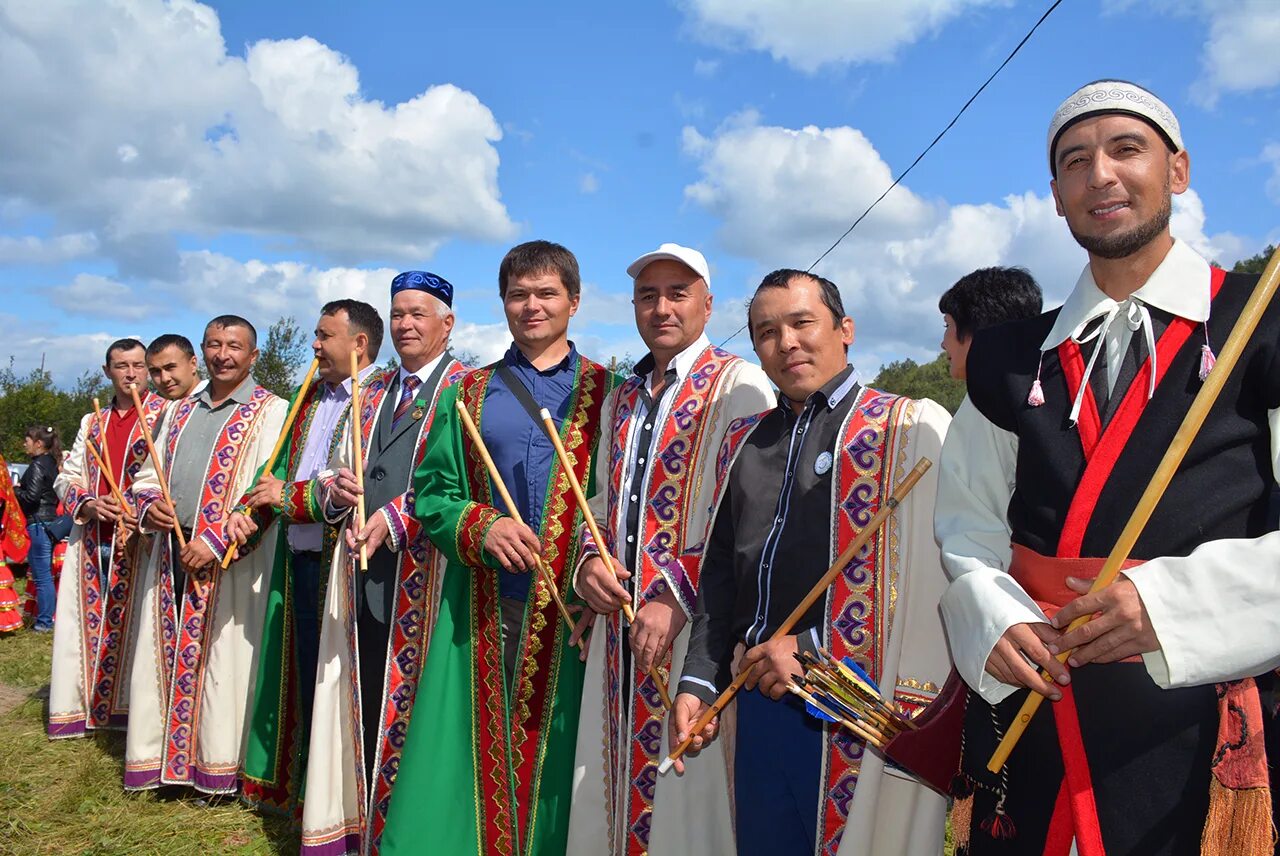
(421, 280)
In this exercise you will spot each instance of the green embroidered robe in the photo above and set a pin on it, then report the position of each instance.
(488, 769)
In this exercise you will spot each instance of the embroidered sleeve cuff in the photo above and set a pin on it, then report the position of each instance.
(397, 537)
(655, 589)
(681, 583)
(585, 552)
(144, 500)
(300, 503)
(215, 543)
(587, 549)
(473, 526)
(75, 501)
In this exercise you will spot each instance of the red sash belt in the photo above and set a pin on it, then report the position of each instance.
(1075, 812)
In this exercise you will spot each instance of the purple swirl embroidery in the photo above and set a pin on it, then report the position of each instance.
(860, 504)
(650, 737)
(864, 449)
(851, 623)
(663, 503)
(646, 782)
(673, 457)
(407, 660)
(685, 414)
(411, 622)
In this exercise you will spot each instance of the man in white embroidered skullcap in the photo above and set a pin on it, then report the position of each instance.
(1155, 739)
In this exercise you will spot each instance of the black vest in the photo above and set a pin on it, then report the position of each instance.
(1221, 489)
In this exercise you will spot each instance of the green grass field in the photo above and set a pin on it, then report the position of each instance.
(65, 797)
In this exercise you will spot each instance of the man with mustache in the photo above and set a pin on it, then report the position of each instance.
(97, 604)
(285, 686)
(193, 673)
(1155, 740)
(663, 428)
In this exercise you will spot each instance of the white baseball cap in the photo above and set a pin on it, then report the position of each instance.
(691, 258)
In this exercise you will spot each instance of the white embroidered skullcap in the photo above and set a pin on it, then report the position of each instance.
(1113, 96)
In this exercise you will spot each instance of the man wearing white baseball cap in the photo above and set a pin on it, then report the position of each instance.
(662, 431)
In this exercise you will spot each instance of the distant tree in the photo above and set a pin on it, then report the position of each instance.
(466, 357)
(281, 357)
(33, 399)
(624, 365)
(1255, 264)
(931, 380)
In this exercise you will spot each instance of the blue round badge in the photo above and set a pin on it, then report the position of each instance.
(823, 465)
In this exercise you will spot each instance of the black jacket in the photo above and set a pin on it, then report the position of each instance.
(35, 491)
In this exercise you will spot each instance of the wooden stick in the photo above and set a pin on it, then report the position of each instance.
(102, 457)
(104, 460)
(601, 545)
(1199, 410)
(547, 577)
(357, 455)
(819, 589)
(233, 550)
(99, 459)
(159, 464)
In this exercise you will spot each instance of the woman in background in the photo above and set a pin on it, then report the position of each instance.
(40, 504)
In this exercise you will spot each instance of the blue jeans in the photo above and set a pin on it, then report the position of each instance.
(40, 570)
(777, 773)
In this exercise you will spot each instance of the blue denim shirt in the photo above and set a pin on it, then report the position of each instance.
(521, 450)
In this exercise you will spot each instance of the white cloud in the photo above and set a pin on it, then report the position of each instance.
(706, 67)
(809, 34)
(780, 188)
(29, 249)
(136, 122)
(589, 183)
(101, 297)
(783, 196)
(1239, 52)
(487, 341)
(65, 356)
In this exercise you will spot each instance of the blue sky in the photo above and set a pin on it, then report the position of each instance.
(161, 163)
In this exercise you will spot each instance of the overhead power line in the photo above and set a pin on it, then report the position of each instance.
(929, 147)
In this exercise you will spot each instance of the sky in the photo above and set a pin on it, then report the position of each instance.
(161, 163)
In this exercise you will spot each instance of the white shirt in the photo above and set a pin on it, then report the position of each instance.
(1216, 612)
(423, 374)
(314, 457)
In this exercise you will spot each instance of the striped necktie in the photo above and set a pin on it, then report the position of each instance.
(407, 391)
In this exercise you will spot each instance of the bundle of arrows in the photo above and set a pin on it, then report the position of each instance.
(840, 691)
